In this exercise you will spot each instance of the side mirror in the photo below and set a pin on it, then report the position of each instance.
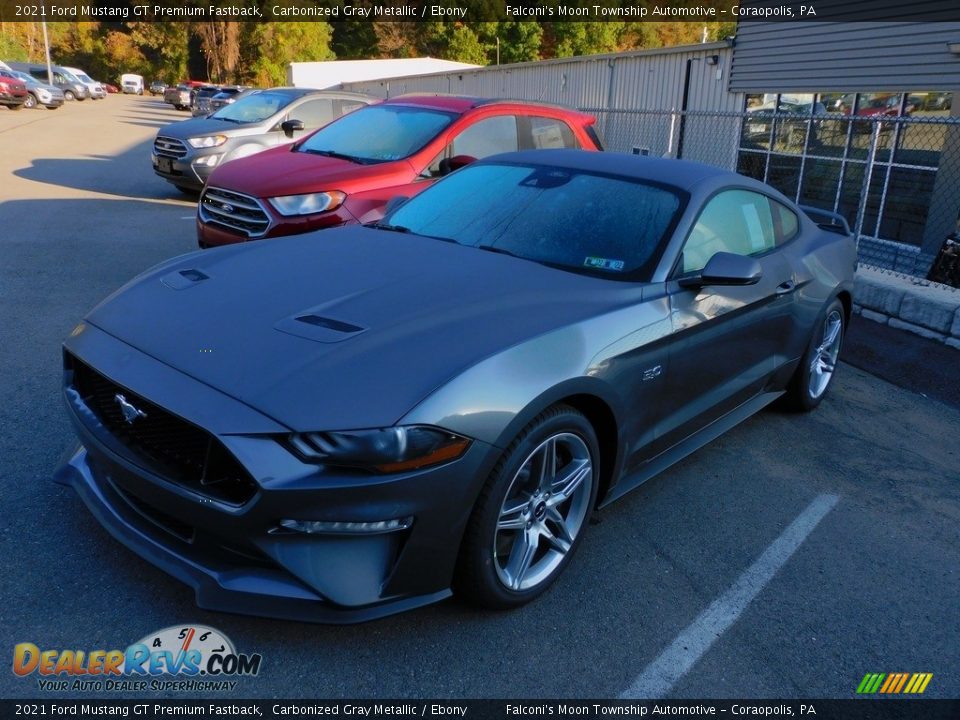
(448, 165)
(395, 202)
(289, 127)
(726, 269)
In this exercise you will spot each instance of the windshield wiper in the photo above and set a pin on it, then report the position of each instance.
(335, 154)
(224, 119)
(388, 226)
(500, 250)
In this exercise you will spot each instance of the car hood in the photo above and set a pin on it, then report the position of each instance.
(347, 328)
(201, 126)
(282, 171)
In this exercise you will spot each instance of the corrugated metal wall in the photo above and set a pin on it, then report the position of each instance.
(846, 56)
(644, 80)
(611, 86)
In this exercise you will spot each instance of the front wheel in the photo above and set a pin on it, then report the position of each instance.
(531, 513)
(30, 102)
(69, 95)
(818, 366)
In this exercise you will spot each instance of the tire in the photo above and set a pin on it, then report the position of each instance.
(69, 95)
(16, 107)
(523, 531)
(812, 379)
(31, 101)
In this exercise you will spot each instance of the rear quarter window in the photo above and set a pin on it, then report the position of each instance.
(548, 133)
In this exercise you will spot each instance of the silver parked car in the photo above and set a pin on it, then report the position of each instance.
(186, 152)
(40, 94)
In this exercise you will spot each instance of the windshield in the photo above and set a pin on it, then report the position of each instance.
(578, 221)
(254, 108)
(69, 76)
(378, 133)
(84, 78)
(28, 79)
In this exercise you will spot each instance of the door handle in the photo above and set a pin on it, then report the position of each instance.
(787, 286)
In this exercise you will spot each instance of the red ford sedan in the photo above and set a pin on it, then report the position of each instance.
(346, 172)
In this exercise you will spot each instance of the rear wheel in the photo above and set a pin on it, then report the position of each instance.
(17, 107)
(812, 379)
(532, 512)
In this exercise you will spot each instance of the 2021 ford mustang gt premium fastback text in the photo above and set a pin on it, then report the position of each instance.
(342, 425)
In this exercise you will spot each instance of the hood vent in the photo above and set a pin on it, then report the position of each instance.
(318, 328)
(329, 324)
(182, 279)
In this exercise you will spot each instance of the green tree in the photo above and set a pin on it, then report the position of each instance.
(568, 39)
(463, 45)
(278, 44)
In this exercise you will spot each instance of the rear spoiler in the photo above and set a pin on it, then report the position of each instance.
(837, 224)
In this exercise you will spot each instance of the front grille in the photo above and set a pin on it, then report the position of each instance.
(169, 147)
(163, 442)
(235, 211)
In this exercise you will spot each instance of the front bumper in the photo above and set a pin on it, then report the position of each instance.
(183, 171)
(228, 553)
(212, 234)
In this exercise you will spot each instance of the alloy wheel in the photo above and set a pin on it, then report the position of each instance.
(543, 512)
(824, 360)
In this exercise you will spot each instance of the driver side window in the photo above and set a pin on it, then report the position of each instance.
(489, 136)
(733, 221)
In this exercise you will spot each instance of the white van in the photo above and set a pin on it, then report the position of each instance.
(131, 84)
(96, 90)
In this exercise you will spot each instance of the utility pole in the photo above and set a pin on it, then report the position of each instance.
(46, 50)
(498, 49)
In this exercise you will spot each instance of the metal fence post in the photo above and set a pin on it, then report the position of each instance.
(867, 178)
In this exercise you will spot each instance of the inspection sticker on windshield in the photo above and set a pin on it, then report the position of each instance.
(603, 264)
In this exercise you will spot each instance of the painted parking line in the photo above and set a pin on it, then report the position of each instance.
(690, 645)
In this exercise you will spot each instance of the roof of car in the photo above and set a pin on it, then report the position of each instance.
(461, 103)
(683, 174)
(301, 91)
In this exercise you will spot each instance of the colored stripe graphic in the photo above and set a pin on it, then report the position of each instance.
(894, 683)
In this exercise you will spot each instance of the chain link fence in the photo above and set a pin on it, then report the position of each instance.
(896, 180)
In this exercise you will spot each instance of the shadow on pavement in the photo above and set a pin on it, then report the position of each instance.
(128, 174)
(902, 358)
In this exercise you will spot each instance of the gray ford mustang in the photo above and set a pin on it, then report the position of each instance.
(343, 425)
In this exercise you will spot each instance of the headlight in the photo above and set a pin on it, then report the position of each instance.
(394, 449)
(207, 141)
(308, 204)
(43, 95)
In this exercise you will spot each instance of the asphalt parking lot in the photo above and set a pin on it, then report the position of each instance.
(786, 559)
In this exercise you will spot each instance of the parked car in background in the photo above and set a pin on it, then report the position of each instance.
(185, 153)
(95, 89)
(226, 96)
(200, 104)
(132, 84)
(71, 86)
(111, 89)
(347, 171)
(41, 94)
(179, 96)
(13, 90)
(157, 87)
(439, 403)
(792, 119)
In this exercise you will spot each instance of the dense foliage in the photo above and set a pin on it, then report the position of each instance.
(258, 53)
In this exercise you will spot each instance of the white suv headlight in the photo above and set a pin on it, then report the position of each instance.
(207, 141)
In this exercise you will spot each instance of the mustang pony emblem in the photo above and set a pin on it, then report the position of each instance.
(130, 412)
